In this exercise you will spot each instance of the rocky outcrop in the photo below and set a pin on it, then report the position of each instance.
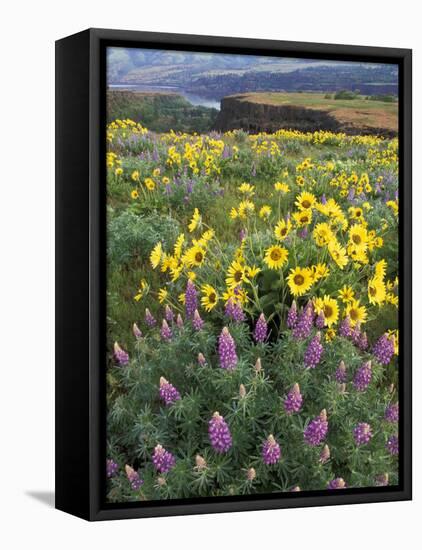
(241, 112)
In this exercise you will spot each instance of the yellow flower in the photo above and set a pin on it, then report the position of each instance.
(165, 180)
(179, 245)
(118, 171)
(182, 298)
(149, 184)
(322, 234)
(394, 205)
(135, 175)
(299, 280)
(245, 207)
(265, 212)
(320, 271)
(380, 269)
(281, 187)
(355, 213)
(233, 213)
(282, 229)
(195, 221)
(305, 201)
(143, 288)
(134, 194)
(210, 298)
(356, 312)
(276, 256)
(338, 254)
(329, 308)
(330, 334)
(155, 256)
(162, 295)
(376, 291)
(346, 294)
(195, 256)
(156, 172)
(358, 237)
(252, 272)
(247, 189)
(302, 218)
(236, 275)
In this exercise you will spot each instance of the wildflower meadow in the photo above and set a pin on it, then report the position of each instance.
(252, 313)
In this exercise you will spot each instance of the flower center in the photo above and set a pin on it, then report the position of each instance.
(212, 297)
(199, 257)
(354, 314)
(372, 291)
(357, 239)
(306, 204)
(328, 311)
(299, 279)
(237, 276)
(275, 255)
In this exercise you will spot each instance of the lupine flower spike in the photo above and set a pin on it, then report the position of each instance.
(149, 318)
(135, 481)
(168, 393)
(317, 429)
(163, 460)
(166, 333)
(261, 329)
(271, 452)
(293, 401)
(136, 331)
(121, 356)
(227, 350)
(219, 434)
(313, 352)
(197, 322)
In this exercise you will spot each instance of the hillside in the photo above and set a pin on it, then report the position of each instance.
(160, 111)
(255, 112)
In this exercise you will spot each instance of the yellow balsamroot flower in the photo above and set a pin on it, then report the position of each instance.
(135, 175)
(355, 213)
(320, 271)
(346, 294)
(182, 298)
(282, 229)
(208, 235)
(322, 234)
(281, 187)
(195, 221)
(165, 180)
(195, 256)
(245, 207)
(276, 256)
(168, 262)
(149, 184)
(338, 254)
(356, 312)
(302, 218)
(162, 295)
(176, 272)
(156, 172)
(191, 275)
(394, 335)
(358, 237)
(330, 334)
(357, 255)
(252, 272)
(265, 212)
(134, 194)
(210, 298)
(305, 201)
(236, 275)
(392, 299)
(299, 280)
(381, 269)
(329, 308)
(376, 291)
(179, 245)
(394, 205)
(233, 213)
(143, 289)
(156, 254)
(300, 180)
(247, 189)
(118, 171)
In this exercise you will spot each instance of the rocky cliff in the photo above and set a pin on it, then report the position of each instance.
(244, 112)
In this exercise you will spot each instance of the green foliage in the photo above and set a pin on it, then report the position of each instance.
(345, 94)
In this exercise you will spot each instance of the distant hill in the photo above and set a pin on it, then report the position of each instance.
(255, 112)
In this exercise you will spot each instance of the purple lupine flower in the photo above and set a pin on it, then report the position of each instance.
(166, 333)
(345, 329)
(304, 323)
(292, 316)
(219, 434)
(179, 321)
(317, 429)
(293, 401)
(363, 341)
(242, 234)
(325, 454)
(197, 322)
(384, 349)
(168, 393)
(337, 483)
(351, 194)
(111, 467)
(362, 433)
(341, 373)
(313, 352)
(133, 477)
(149, 318)
(120, 355)
(227, 350)
(136, 331)
(363, 376)
(323, 199)
(191, 299)
(271, 452)
(201, 359)
(381, 480)
(320, 321)
(163, 460)
(304, 233)
(234, 311)
(392, 412)
(168, 314)
(392, 445)
(261, 329)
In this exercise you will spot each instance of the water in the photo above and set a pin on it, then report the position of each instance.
(194, 99)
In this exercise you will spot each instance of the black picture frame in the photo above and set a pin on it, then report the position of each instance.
(80, 272)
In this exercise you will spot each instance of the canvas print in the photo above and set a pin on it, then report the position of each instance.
(252, 275)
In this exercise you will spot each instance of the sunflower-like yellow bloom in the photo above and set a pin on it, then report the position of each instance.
(282, 229)
(276, 256)
(156, 254)
(299, 280)
(178, 246)
(302, 218)
(358, 237)
(246, 189)
(195, 221)
(338, 254)
(149, 184)
(356, 312)
(281, 187)
(346, 294)
(265, 212)
(329, 308)
(195, 256)
(305, 200)
(210, 297)
(236, 275)
(162, 295)
(322, 234)
(246, 207)
(376, 291)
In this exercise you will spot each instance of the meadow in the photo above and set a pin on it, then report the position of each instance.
(252, 312)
